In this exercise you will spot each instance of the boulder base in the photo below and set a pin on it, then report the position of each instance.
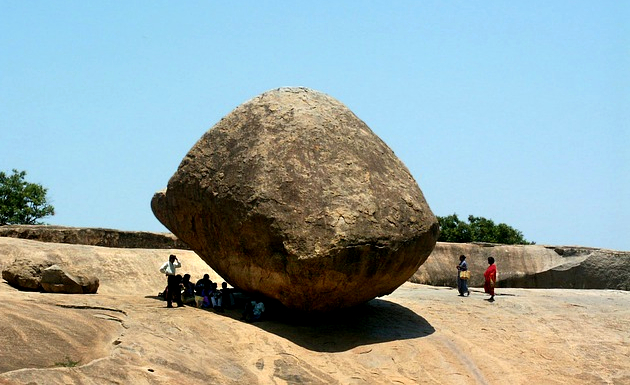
(294, 197)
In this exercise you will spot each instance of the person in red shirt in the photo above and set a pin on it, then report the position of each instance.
(491, 278)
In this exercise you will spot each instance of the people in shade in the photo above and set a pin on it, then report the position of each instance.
(201, 287)
(205, 293)
(227, 296)
(254, 310)
(188, 290)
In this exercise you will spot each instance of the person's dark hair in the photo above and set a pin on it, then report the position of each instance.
(206, 276)
(186, 277)
(462, 257)
(490, 260)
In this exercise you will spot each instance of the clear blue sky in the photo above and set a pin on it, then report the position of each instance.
(514, 111)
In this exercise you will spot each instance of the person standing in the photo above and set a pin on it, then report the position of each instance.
(462, 280)
(491, 279)
(173, 291)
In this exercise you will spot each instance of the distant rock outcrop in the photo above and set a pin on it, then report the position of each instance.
(94, 237)
(294, 197)
(529, 266)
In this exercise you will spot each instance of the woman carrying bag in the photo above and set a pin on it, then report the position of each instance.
(462, 276)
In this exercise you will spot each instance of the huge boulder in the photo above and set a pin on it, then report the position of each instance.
(292, 196)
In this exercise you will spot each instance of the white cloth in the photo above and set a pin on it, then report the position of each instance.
(169, 267)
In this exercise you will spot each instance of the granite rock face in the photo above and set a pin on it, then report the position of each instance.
(529, 266)
(44, 275)
(57, 280)
(25, 274)
(294, 197)
(94, 236)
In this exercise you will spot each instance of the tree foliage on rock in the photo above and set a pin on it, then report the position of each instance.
(21, 202)
(478, 229)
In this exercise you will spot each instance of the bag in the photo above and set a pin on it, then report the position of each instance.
(465, 275)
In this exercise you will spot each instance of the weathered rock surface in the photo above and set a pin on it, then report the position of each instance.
(119, 270)
(94, 236)
(41, 274)
(529, 266)
(587, 268)
(25, 274)
(294, 197)
(417, 335)
(58, 280)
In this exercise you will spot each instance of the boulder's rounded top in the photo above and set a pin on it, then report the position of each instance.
(278, 101)
(294, 91)
(303, 158)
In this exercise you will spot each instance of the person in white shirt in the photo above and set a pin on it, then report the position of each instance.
(173, 293)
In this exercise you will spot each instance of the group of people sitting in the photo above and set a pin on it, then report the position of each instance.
(203, 294)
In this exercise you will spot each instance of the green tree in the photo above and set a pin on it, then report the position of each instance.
(21, 202)
(478, 229)
(452, 229)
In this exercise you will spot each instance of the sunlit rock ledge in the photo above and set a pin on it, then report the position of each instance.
(529, 266)
(520, 266)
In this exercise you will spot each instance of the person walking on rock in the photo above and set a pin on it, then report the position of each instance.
(173, 291)
(462, 278)
(491, 279)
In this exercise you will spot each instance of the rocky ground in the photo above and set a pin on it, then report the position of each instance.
(417, 335)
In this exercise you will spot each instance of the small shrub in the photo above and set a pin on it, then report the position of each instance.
(68, 363)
